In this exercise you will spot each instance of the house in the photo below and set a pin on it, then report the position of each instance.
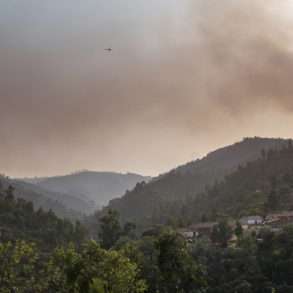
(197, 230)
(153, 231)
(249, 221)
(203, 229)
(279, 219)
(187, 234)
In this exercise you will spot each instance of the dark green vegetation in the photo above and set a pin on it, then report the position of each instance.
(160, 263)
(111, 231)
(250, 267)
(19, 221)
(23, 268)
(257, 188)
(147, 202)
(85, 191)
(63, 205)
(40, 252)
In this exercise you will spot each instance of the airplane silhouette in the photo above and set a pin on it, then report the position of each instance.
(108, 49)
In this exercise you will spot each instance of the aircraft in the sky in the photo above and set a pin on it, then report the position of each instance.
(108, 49)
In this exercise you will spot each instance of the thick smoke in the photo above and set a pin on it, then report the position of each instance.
(182, 79)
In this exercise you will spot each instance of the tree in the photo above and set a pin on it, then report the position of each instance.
(18, 263)
(10, 193)
(94, 270)
(1, 188)
(128, 230)
(179, 272)
(144, 253)
(273, 200)
(221, 234)
(110, 229)
(238, 230)
(80, 233)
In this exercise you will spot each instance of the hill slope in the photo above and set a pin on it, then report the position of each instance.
(189, 180)
(19, 220)
(96, 187)
(63, 205)
(262, 186)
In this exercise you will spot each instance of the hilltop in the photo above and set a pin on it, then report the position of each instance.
(187, 181)
(92, 189)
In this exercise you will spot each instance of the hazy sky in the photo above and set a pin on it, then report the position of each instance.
(184, 77)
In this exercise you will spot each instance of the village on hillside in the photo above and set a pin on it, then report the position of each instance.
(253, 225)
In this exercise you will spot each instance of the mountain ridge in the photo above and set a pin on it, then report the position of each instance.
(92, 186)
(42, 199)
(188, 180)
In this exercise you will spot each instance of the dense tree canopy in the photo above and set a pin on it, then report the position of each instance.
(67, 270)
(19, 221)
(259, 187)
(41, 253)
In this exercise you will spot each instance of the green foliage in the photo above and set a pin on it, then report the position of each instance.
(18, 265)
(145, 253)
(261, 264)
(162, 199)
(95, 269)
(257, 188)
(159, 264)
(111, 230)
(162, 262)
(166, 263)
(63, 205)
(179, 273)
(19, 221)
(238, 230)
(275, 256)
(67, 270)
(129, 230)
(221, 234)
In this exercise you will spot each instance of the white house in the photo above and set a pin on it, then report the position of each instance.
(251, 220)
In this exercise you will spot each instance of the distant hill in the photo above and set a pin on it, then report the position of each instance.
(187, 181)
(20, 219)
(45, 199)
(259, 187)
(98, 188)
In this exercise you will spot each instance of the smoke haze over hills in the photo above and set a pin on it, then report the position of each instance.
(184, 77)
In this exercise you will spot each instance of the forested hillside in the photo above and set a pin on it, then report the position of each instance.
(95, 187)
(259, 187)
(42, 253)
(20, 221)
(59, 260)
(63, 205)
(147, 201)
